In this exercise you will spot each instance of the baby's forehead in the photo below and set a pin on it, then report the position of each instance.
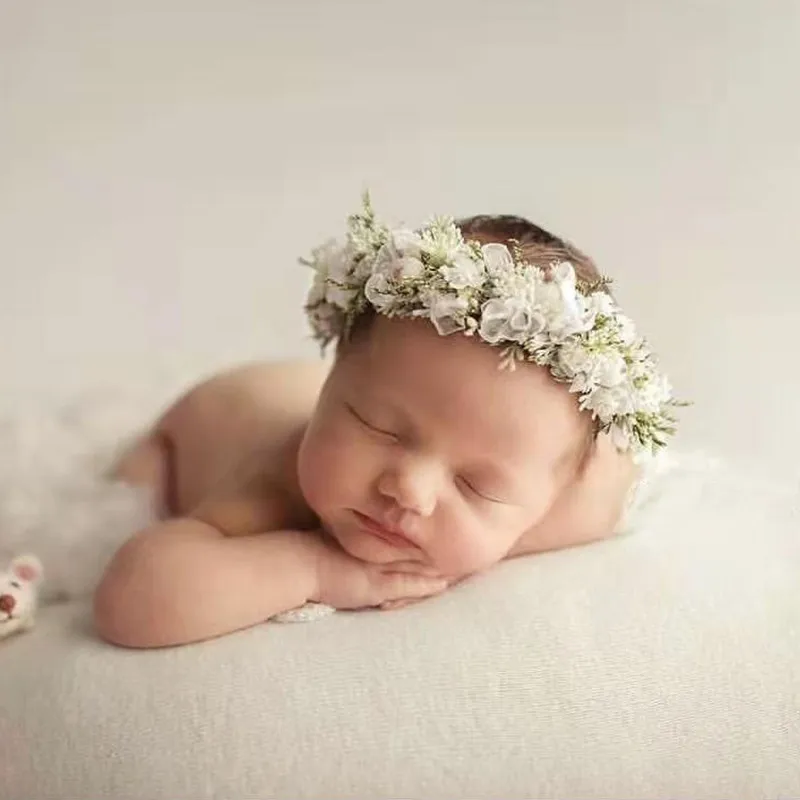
(455, 384)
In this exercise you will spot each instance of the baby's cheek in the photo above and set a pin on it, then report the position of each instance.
(329, 471)
(475, 547)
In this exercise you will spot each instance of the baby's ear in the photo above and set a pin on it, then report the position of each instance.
(27, 568)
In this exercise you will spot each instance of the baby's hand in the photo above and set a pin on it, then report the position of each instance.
(347, 583)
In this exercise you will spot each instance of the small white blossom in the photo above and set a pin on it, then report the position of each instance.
(606, 403)
(621, 435)
(406, 243)
(447, 313)
(395, 266)
(340, 296)
(319, 288)
(574, 358)
(608, 369)
(626, 330)
(601, 303)
(509, 320)
(378, 291)
(464, 272)
(655, 392)
(498, 260)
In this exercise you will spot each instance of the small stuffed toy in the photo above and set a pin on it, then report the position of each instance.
(19, 589)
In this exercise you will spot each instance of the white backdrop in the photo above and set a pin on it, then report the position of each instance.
(163, 163)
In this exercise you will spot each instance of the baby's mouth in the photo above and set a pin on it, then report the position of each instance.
(373, 527)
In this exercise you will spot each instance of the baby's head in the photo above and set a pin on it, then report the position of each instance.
(420, 447)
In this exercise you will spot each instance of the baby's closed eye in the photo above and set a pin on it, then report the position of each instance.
(370, 425)
(475, 488)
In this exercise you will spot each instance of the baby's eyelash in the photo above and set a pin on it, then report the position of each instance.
(477, 492)
(367, 424)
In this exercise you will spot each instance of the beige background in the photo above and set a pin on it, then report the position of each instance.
(162, 165)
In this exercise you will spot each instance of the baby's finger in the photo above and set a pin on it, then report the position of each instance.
(412, 568)
(401, 586)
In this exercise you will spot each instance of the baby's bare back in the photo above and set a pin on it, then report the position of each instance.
(233, 436)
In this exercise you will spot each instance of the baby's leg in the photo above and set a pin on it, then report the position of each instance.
(149, 463)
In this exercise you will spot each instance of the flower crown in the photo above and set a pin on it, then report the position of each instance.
(544, 315)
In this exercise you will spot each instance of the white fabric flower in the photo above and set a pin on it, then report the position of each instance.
(621, 436)
(335, 259)
(498, 259)
(325, 321)
(379, 292)
(395, 265)
(447, 312)
(653, 394)
(319, 288)
(626, 330)
(574, 358)
(509, 319)
(608, 369)
(605, 403)
(464, 272)
(406, 243)
(601, 303)
(563, 275)
(340, 296)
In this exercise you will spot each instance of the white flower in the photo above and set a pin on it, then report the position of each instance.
(406, 243)
(447, 312)
(600, 303)
(563, 275)
(498, 259)
(608, 369)
(325, 321)
(363, 268)
(340, 296)
(605, 403)
(574, 358)
(442, 241)
(464, 272)
(333, 264)
(318, 290)
(621, 436)
(334, 259)
(653, 394)
(379, 292)
(509, 319)
(396, 266)
(626, 330)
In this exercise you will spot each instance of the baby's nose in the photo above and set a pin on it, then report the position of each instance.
(7, 603)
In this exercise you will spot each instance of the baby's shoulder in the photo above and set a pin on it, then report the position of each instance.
(236, 433)
(273, 385)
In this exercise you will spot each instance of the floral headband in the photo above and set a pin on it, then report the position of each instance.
(543, 315)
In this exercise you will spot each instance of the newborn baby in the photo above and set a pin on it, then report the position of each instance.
(486, 400)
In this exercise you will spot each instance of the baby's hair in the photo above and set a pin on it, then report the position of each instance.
(538, 246)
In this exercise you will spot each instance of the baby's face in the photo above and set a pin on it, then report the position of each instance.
(421, 449)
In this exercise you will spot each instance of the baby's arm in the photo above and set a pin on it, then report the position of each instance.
(184, 581)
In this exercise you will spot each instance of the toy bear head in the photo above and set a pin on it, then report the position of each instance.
(19, 586)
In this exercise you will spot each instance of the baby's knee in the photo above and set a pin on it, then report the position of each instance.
(148, 464)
